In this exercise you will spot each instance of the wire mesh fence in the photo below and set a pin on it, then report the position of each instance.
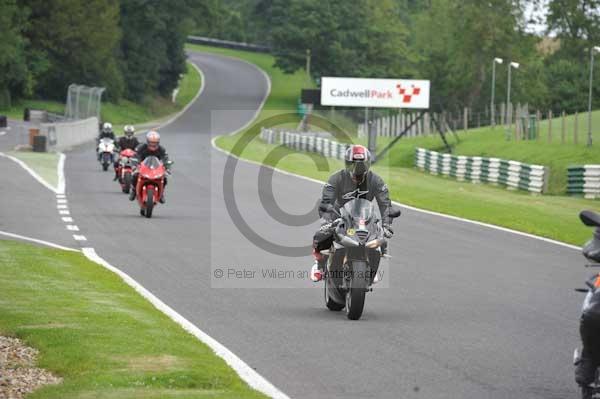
(83, 102)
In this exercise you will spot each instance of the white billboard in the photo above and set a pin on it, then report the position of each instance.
(385, 93)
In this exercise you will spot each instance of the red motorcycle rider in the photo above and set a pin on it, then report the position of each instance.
(126, 141)
(152, 147)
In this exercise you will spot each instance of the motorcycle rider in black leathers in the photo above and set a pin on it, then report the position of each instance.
(355, 181)
(128, 140)
(589, 325)
(151, 147)
(105, 132)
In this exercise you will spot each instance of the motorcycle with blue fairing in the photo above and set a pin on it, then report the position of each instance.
(354, 258)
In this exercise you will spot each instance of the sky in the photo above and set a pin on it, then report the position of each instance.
(536, 14)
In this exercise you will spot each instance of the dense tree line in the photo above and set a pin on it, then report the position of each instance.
(134, 48)
(451, 42)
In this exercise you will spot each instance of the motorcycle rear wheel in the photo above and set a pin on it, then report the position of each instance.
(149, 201)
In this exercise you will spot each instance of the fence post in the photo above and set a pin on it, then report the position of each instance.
(550, 126)
(575, 128)
(562, 128)
(465, 119)
(538, 119)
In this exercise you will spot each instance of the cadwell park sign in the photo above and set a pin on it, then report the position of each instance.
(380, 93)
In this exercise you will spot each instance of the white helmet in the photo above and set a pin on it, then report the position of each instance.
(107, 127)
(153, 139)
(129, 130)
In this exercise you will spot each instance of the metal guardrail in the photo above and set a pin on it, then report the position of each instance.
(259, 48)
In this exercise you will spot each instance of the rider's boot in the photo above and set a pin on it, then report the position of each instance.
(132, 194)
(162, 197)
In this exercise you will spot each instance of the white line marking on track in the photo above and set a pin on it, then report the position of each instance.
(456, 218)
(61, 201)
(67, 219)
(60, 170)
(2, 133)
(72, 227)
(47, 243)
(62, 206)
(61, 196)
(30, 171)
(79, 237)
(246, 373)
(64, 212)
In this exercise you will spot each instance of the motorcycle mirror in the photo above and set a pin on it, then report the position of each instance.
(395, 212)
(590, 218)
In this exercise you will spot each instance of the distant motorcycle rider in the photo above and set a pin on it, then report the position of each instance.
(151, 147)
(105, 133)
(128, 140)
(355, 181)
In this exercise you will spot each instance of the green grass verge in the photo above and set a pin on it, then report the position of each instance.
(44, 164)
(548, 216)
(103, 338)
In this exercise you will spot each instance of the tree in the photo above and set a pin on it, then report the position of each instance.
(79, 39)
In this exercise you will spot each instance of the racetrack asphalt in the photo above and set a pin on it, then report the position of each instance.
(470, 312)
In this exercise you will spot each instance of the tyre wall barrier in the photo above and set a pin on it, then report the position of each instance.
(584, 180)
(511, 174)
(310, 142)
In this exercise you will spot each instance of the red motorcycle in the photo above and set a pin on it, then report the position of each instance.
(124, 169)
(150, 184)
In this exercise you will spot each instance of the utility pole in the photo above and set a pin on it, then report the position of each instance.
(508, 106)
(592, 50)
(308, 65)
(492, 106)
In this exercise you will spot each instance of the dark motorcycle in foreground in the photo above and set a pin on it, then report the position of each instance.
(590, 315)
(124, 169)
(354, 258)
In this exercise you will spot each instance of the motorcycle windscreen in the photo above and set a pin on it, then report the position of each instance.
(360, 209)
(152, 162)
(106, 141)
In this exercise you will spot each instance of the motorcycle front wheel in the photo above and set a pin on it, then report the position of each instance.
(149, 201)
(355, 297)
(127, 183)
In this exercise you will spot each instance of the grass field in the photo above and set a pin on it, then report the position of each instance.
(493, 143)
(44, 164)
(548, 216)
(125, 112)
(103, 338)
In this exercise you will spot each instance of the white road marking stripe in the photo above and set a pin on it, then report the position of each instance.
(60, 170)
(2, 133)
(62, 206)
(67, 219)
(31, 172)
(49, 244)
(246, 373)
(64, 212)
(72, 227)
(61, 201)
(79, 238)
(60, 196)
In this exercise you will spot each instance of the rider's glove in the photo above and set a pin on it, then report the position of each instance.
(326, 228)
(388, 232)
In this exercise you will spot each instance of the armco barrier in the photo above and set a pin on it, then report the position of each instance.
(64, 135)
(584, 180)
(512, 174)
(310, 142)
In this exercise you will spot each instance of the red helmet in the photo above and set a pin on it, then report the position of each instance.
(358, 162)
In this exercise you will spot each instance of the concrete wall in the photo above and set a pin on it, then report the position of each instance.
(64, 135)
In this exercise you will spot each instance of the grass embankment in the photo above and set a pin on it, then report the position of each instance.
(103, 338)
(488, 142)
(549, 216)
(126, 112)
(44, 164)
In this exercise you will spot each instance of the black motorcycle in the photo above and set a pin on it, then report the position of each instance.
(354, 258)
(590, 318)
